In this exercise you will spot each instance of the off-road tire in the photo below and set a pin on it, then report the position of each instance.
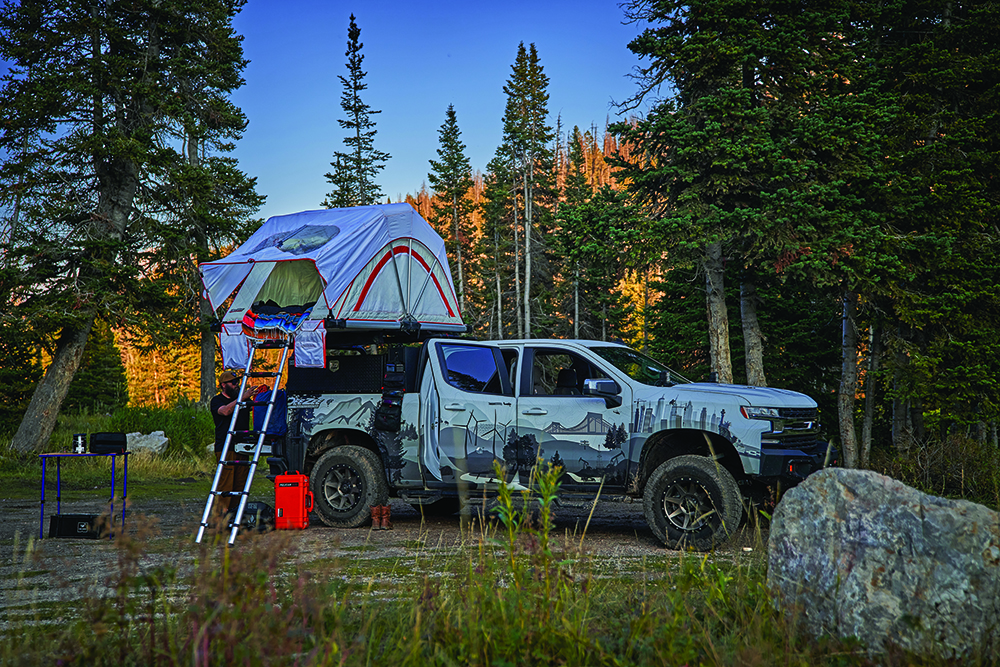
(692, 502)
(346, 481)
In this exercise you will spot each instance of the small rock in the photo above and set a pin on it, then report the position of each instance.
(856, 553)
(155, 442)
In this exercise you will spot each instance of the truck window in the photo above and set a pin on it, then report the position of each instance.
(559, 373)
(637, 366)
(471, 368)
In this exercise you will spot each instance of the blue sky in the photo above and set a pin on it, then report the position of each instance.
(420, 57)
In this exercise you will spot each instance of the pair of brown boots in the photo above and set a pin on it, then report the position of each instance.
(380, 517)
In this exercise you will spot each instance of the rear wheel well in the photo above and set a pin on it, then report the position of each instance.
(666, 445)
(324, 441)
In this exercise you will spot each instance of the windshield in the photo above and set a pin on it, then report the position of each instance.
(638, 366)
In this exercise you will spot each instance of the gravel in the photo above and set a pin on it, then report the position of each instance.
(34, 570)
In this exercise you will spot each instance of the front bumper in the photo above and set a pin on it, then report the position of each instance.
(792, 465)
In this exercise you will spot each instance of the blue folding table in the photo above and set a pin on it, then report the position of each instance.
(59, 456)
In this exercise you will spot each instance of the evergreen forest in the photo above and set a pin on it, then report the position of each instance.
(810, 202)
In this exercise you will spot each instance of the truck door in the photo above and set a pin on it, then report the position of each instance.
(560, 425)
(474, 412)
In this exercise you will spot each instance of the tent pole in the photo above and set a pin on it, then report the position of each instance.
(399, 284)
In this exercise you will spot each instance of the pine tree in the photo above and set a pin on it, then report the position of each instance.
(355, 168)
(20, 370)
(595, 239)
(451, 178)
(207, 198)
(934, 69)
(749, 153)
(100, 383)
(527, 138)
(85, 109)
(499, 250)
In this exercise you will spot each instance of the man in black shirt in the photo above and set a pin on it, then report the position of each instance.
(232, 478)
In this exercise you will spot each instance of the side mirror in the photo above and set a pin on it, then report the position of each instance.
(603, 388)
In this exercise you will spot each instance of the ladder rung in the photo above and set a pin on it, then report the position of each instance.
(227, 494)
(263, 374)
(254, 404)
(235, 463)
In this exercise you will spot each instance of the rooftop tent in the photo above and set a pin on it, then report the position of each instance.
(379, 267)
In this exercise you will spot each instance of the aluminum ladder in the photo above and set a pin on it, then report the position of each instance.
(274, 377)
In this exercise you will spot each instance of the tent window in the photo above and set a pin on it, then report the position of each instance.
(292, 283)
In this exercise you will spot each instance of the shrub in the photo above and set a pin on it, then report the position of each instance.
(954, 467)
(188, 425)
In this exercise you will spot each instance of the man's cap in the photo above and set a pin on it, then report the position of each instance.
(227, 376)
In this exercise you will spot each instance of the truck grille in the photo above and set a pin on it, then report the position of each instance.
(807, 443)
(799, 414)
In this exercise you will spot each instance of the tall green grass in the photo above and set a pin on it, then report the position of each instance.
(188, 427)
(955, 467)
(514, 594)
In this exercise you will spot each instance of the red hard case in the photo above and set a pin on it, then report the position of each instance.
(292, 501)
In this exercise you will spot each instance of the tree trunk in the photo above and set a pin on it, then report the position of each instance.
(207, 366)
(848, 380)
(576, 301)
(40, 419)
(527, 255)
(753, 341)
(874, 352)
(458, 254)
(496, 273)
(901, 437)
(900, 431)
(645, 311)
(517, 274)
(718, 317)
(917, 421)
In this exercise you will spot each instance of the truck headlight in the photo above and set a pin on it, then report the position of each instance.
(751, 412)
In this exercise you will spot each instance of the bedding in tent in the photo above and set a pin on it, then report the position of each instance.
(372, 267)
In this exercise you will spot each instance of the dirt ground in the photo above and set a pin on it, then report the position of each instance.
(41, 568)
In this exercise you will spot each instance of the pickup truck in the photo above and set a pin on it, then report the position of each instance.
(427, 422)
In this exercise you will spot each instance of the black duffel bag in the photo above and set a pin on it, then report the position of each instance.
(107, 443)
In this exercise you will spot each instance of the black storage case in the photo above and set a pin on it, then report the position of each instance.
(86, 526)
(107, 443)
(258, 516)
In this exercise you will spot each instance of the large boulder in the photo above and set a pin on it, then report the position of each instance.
(855, 553)
(155, 442)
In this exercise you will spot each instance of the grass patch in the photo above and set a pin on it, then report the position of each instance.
(953, 467)
(510, 594)
(361, 548)
(414, 544)
(161, 476)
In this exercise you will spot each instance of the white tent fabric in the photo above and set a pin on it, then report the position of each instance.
(367, 267)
